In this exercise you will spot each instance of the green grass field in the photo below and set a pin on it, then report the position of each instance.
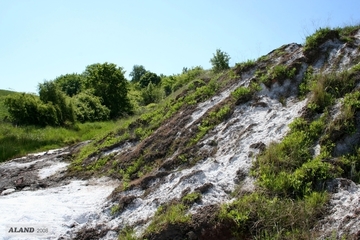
(16, 141)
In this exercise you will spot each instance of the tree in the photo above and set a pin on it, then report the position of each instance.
(149, 77)
(220, 61)
(29, 109)
(137, 72)
(107, 81)
(70, 84)
(167, 84)
(23, 108)
(50, 93)
(151, 94)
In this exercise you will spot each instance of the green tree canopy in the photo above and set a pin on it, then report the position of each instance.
(107, 81)
(151, 94)
(50, 93)
(220, 61)
(70, 84)
(137, 72)
(89, 108)
(28, 109)
(149, 77)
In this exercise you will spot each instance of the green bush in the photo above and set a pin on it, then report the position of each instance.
(127, 233)
(326, 88)
(314, 41)
(89, 108)
(260, 215)
(347, 33)
(168, 214)
(28, 109)
(277, 167)
(175, 82)
(191, 198)
(278, 73)
(147, 78)
(243, 66)
(70, 84)
(242, 94)
(151, 94)
(304, 87)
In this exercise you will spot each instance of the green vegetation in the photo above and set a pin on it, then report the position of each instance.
(287, 168)
(174, 213)
(243, 66)
(142, 124)
(313, 42)
(243, 94)
(326, 88)
(3, 110)
(151, 94)
(220, 61)
(127, 233)
(263, 216)
(213, 119)
(221, 113)
(71, 84)
(168, 214)
(100, 93)
(278, 73)
(76, 94)
(147, 78)
(290, 180)
(137, 72)
(28, 109)
(191, 198)
(18, 141)
(108, 82)
(88, 108)
(289, 195)
(289, 199)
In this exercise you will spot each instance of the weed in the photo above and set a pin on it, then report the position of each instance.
(168, 214)
(127, 233)
(326, 88)
(313, 41)
(278, 73)
(263, 58)
(261, 215)
(347, 33)
(191, 198)
(115, 209)
(209, 122)
(244, 66)
(242, 94)
(304, 87)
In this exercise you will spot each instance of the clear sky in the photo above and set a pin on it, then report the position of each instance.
(43, 39)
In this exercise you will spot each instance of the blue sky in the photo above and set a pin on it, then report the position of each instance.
(43, 39)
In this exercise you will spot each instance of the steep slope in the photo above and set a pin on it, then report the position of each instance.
(216, 164)
(225, 148)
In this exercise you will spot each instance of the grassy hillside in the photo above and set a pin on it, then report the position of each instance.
(289, 195)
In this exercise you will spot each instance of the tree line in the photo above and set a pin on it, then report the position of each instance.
(100, 93)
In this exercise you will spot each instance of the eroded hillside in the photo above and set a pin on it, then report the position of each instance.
(267, 149)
